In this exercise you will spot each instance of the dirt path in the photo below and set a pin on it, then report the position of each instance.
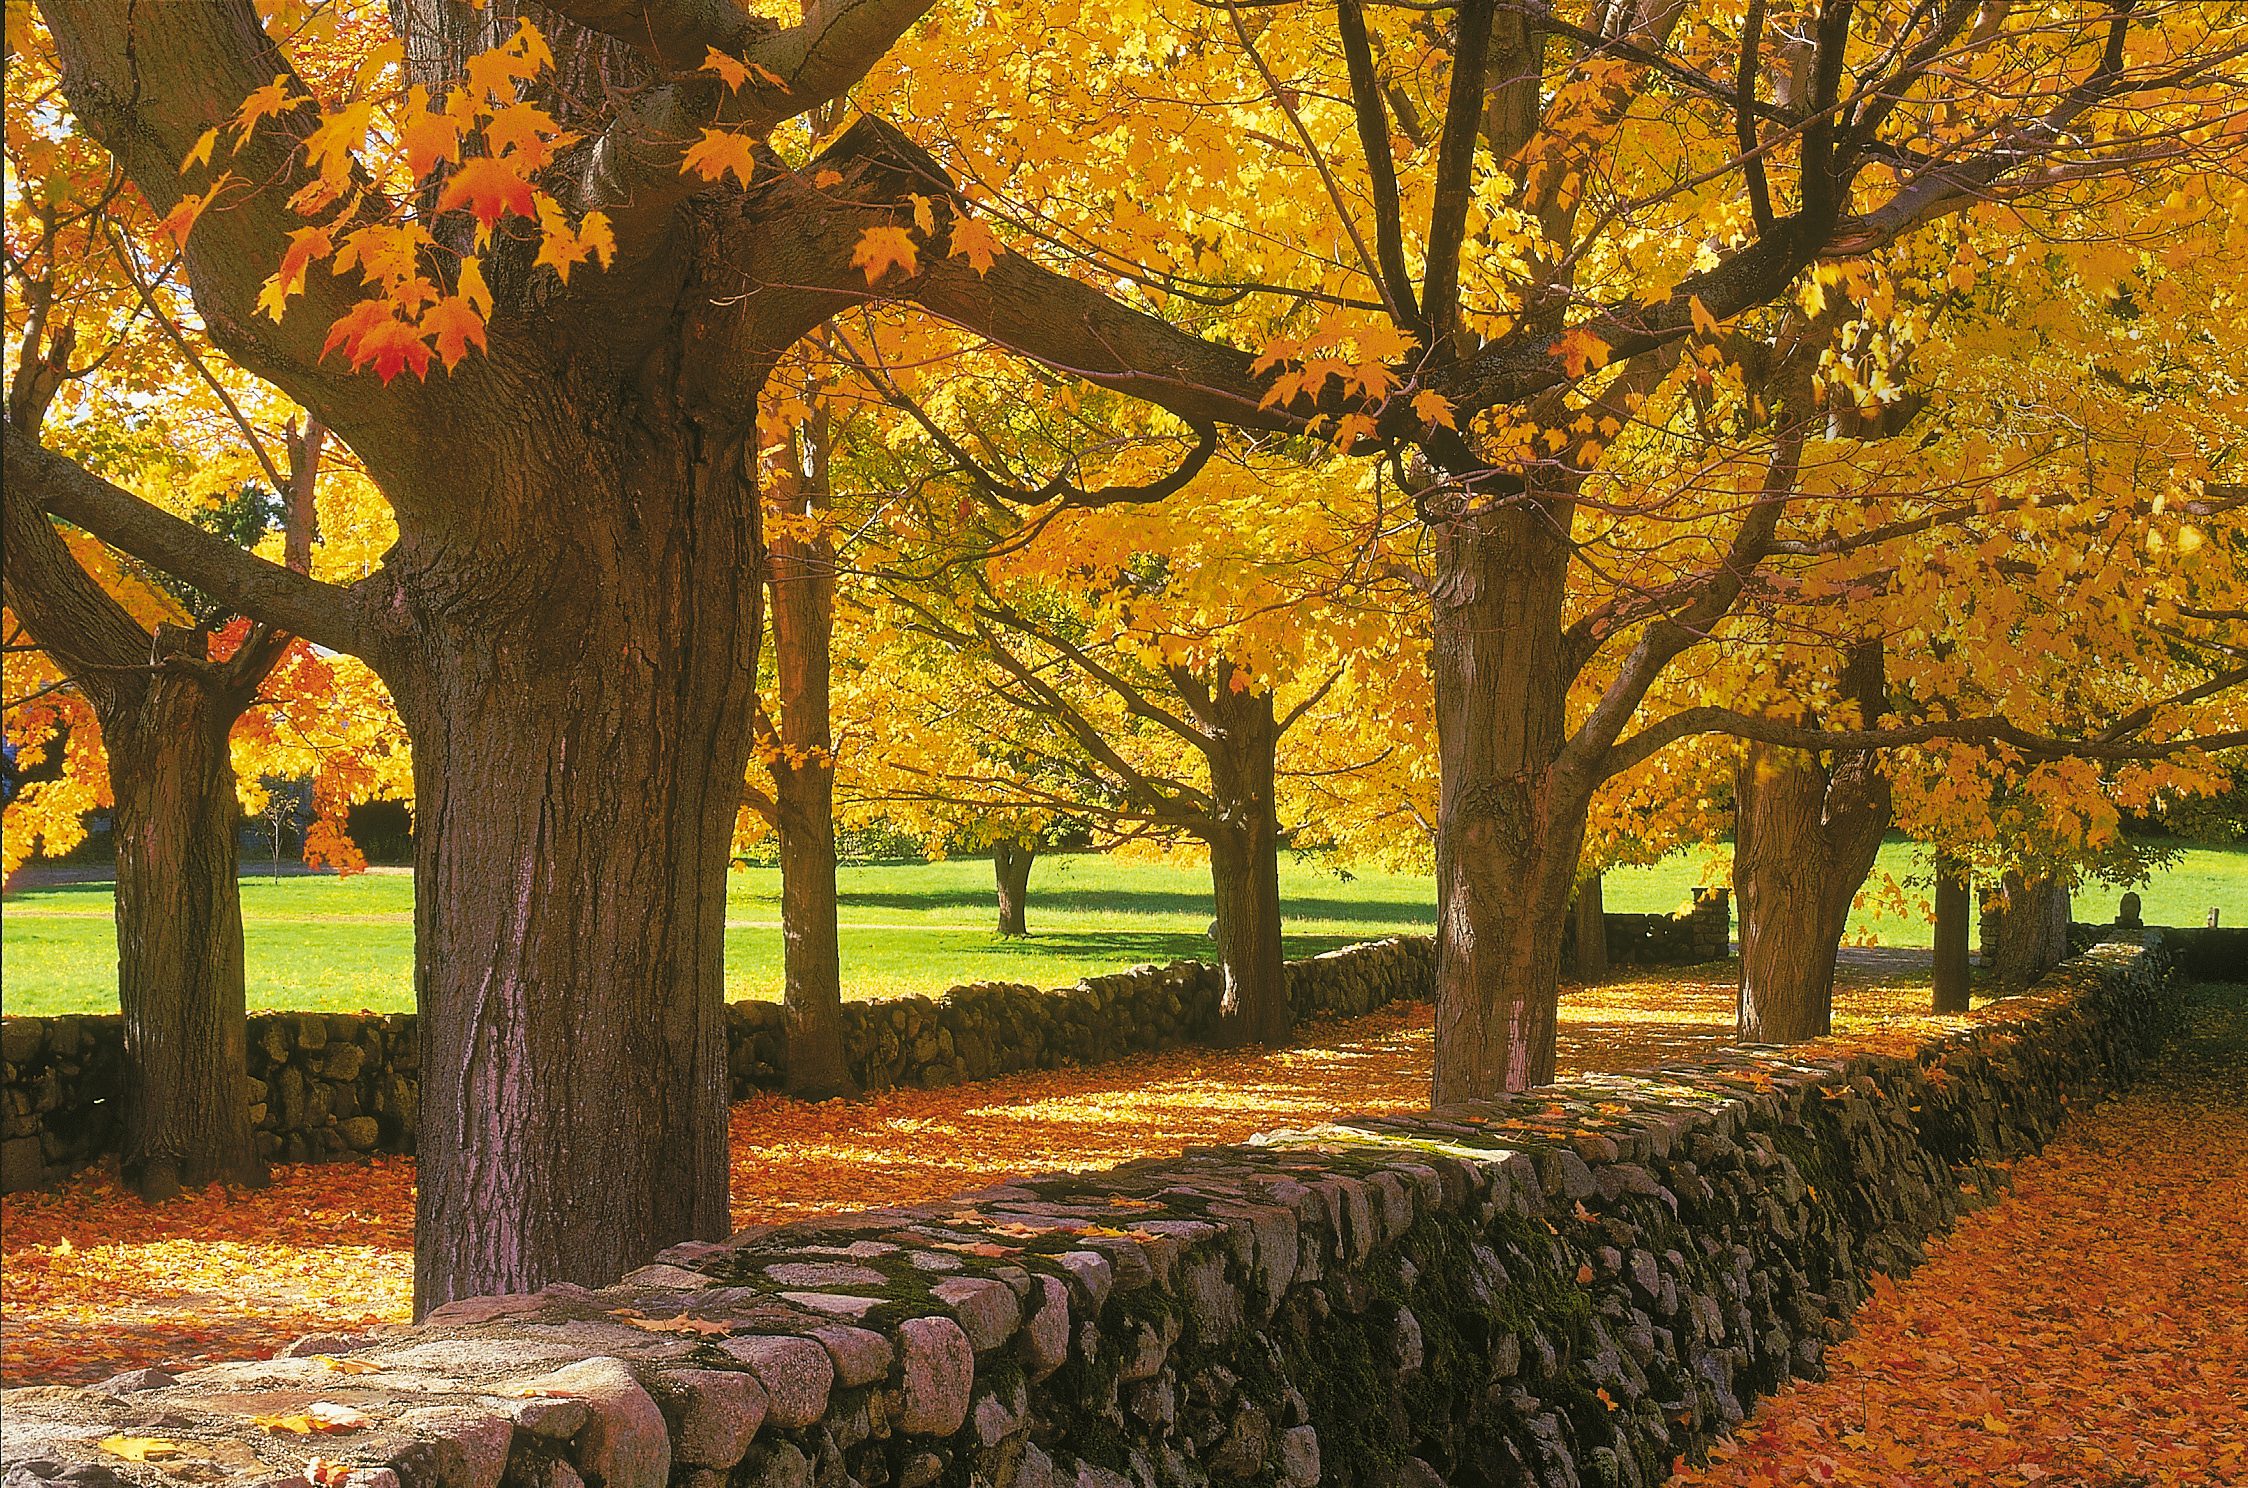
(2089, 1331)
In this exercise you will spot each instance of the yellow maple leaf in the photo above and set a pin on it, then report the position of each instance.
(1434, 408)
(717, 152)
(1704, 323)
(881, 249)
(141, 1448)
(973, 239)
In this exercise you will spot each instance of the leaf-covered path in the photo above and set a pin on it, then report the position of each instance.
(2089, 1331)
(93, 1282)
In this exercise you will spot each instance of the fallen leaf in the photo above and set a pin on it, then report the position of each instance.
(703, 1326)
(141, 1448)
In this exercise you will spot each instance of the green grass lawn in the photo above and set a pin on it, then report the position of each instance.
(345, 944)
(2181, 895)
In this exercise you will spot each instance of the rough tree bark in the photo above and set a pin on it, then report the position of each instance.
(1953, 916)
(1011, 858)
(801, 756)
(1509, 832)
(1805, 837)
(165, 711)
(2032, 928)
(1244, 841)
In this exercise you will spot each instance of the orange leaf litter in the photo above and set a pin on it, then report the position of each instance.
(94, 1282)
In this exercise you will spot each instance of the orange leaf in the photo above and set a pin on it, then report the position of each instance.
(524, 130)
(1584, 1275)
(427, 137)
(717, 152)
(973, 239)
(884, 248)
(737, 72)
(454, 324)
(565, 249)
(305, 245)
(491, 189)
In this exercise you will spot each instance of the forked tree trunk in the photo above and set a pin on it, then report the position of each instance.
(802, 582)
(1804, 841)
(179, 932)
(1010, 866)
(1245, 871)
(1952, 916)
(580, 728)
(1509, 828)
(1591, 921)
(186, 1112)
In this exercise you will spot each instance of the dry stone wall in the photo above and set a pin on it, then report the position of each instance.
(323, 1086)
(1699, 933)
(1572, 1287)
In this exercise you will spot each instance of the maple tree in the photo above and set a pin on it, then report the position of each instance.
(121, 677)
(1161, 660)
(607, 229)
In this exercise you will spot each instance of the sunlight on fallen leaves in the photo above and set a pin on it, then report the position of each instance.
(2089, 1332)
(94, 1282)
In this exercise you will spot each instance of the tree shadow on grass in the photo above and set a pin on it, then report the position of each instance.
(1135, 901)
(1118, 950)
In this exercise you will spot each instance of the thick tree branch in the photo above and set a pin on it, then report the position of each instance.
(1455, 162)
(321, 613)
(1381, 169)
(1646, 743)
(633, 172)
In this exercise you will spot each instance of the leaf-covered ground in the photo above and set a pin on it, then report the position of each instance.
(93, 1282)
(2090, 1331)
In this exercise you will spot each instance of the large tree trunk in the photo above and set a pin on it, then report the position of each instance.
(178, 906)
(580, 712)
(1509, 829)
(2032, 928)
(1952, 915)
(179, 932)
(1245, 881)
(1805, 836)
(802, 583)
(1591, 920)
(1245, 870)
(1011, 858)
(1804, 841)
